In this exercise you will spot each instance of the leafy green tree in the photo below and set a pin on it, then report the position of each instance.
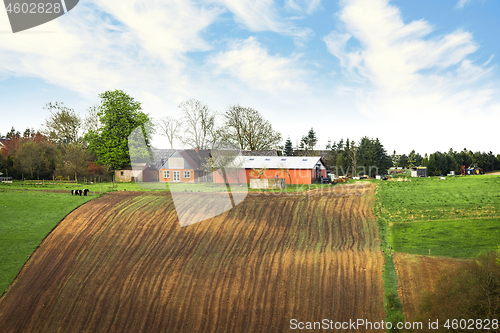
(28, 158)
(288, 147)
(412, 159)
(372, 157)
(3, 165)
(75, 160)
(403, 161)
(119, 114)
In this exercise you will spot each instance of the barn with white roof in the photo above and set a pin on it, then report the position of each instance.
(294, 169)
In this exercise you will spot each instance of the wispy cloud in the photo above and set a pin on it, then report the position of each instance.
(462, 3)
(251, 63)
(134, 44)
(404, 69)
(308, 6)
(263, 15)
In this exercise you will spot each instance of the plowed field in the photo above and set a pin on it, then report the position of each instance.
(418, 274)
(122, 263)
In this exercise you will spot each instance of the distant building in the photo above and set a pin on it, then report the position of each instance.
(259, 153)
(293, 169)
(185, 166)
(138, 172)
(419, 171)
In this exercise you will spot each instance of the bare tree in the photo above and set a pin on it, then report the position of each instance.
(198, 124)
(91, 121)
(169, 127)
(248, 129)
(63, 124)
(258, 172)
(284, 170)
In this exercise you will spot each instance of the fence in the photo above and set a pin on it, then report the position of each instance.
(267, 183)
(50, 182)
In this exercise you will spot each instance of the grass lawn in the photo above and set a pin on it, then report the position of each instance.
(425, 199)
(26, 218)
(456, 217)
(96, 187)
(453, 238)
(132, 186)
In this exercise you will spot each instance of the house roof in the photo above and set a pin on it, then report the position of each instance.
(3, 141)
(259, 153)
(277, 162)
(159, 157)
(195, 158)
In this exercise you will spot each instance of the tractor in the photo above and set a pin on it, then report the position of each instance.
(473, 169)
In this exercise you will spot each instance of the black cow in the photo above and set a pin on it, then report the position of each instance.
(85, 191)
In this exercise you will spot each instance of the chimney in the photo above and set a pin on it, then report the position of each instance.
(197, 150)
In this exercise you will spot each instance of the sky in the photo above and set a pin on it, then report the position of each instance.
(419, 75)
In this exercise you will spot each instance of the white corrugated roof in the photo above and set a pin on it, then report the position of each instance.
(277, 162)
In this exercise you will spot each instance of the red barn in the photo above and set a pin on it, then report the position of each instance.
(294, 169)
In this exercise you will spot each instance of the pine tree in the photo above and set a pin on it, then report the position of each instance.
(288, 147)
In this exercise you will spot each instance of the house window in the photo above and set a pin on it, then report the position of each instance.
(121, 173)
(166, 174)
(187, 174)
(176, 163)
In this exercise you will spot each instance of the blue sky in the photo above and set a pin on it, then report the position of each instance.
(418, 75)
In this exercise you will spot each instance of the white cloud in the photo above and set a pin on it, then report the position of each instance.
(262, 15)
(405, 71)
(136, 45)
(309, 6)
(462, 3)
(248, 61)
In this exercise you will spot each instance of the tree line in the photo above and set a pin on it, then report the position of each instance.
(440, 163)
(68, 145)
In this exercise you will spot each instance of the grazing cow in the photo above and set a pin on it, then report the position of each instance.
(85, 191)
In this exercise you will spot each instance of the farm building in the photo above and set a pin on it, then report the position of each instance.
(185, 166)
(419, 171)
(259, 153)
(294, 169)
(138, 172)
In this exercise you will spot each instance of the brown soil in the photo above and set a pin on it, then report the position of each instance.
(417, 274)
(122, 263)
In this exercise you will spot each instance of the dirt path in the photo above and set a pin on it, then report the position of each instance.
(122, 263)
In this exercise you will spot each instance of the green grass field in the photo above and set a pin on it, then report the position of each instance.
(454, 238)
(26, 217)
(132, 186)
(425, 199)
(96, 187)
(456, 217)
